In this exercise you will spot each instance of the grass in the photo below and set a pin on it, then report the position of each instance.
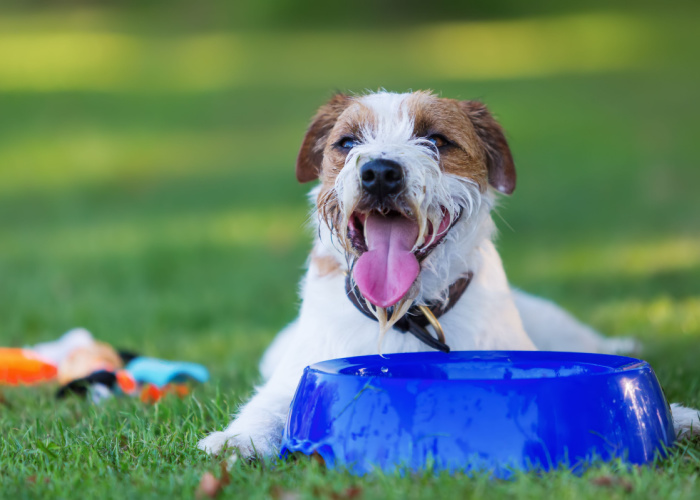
(165, 218)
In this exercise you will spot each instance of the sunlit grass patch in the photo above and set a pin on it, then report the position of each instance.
(609, 259)
(118, 62)
(536, 47)
(664, 316)
(73, 157)
(484, 50)
(276, 229)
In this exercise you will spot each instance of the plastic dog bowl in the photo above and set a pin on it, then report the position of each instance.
(493, 411)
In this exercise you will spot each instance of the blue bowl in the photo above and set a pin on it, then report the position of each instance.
(493, 411)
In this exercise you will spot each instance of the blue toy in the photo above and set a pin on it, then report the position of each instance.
(160, 372)
(494, 411)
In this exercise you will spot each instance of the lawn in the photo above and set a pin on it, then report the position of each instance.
(147, 193)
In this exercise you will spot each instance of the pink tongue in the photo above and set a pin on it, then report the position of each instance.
(385, 273)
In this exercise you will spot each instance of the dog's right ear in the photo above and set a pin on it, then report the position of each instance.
(499, 160)
(311, 152)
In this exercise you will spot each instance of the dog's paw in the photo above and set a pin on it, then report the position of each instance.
(240, 445)
(686, 421)
(214, 443)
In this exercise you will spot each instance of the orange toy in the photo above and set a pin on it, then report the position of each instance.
(83, 361)
(126, 382)
(152, 394)
(22, 366)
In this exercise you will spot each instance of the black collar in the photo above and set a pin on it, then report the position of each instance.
(416, 320)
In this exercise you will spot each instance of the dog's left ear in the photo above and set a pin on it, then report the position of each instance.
(499, 161)
(311, 153)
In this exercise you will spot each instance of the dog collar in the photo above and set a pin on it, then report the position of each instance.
(416, 320)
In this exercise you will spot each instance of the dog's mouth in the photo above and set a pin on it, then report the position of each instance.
(390, 253)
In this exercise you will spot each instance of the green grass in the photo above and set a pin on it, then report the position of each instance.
(163, 215)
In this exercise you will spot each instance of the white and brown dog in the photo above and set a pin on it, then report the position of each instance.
(404, 238)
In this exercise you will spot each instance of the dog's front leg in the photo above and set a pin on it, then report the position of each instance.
(256, 430)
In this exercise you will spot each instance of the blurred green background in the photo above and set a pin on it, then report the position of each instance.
(147, 193)
(147, 151)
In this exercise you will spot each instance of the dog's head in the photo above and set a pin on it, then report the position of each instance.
(398, 172)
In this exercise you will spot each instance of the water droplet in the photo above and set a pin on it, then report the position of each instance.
(385, 369)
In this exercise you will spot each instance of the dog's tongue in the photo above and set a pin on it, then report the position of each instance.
(387, 270)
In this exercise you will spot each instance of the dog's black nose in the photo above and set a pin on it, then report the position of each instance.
(381, 178)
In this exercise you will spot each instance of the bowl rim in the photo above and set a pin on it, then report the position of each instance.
(616, 364)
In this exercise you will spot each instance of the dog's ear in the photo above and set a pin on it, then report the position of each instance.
(499, 161)
(311, 153)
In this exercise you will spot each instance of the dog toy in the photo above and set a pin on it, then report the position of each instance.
(86, 367)
(148, 378)
(22, 366)
(58, 350)
(161, 373)
(86, 360)
(158, 377)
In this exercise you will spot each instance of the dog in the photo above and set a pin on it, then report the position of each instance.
(403, 258)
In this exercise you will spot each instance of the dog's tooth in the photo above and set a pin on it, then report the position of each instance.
(421, 233)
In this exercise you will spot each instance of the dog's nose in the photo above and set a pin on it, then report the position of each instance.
(381, 178)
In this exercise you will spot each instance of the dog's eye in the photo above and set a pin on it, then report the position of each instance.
(438, 140)
(347, 143)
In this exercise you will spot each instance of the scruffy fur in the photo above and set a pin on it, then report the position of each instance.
(461, 178)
